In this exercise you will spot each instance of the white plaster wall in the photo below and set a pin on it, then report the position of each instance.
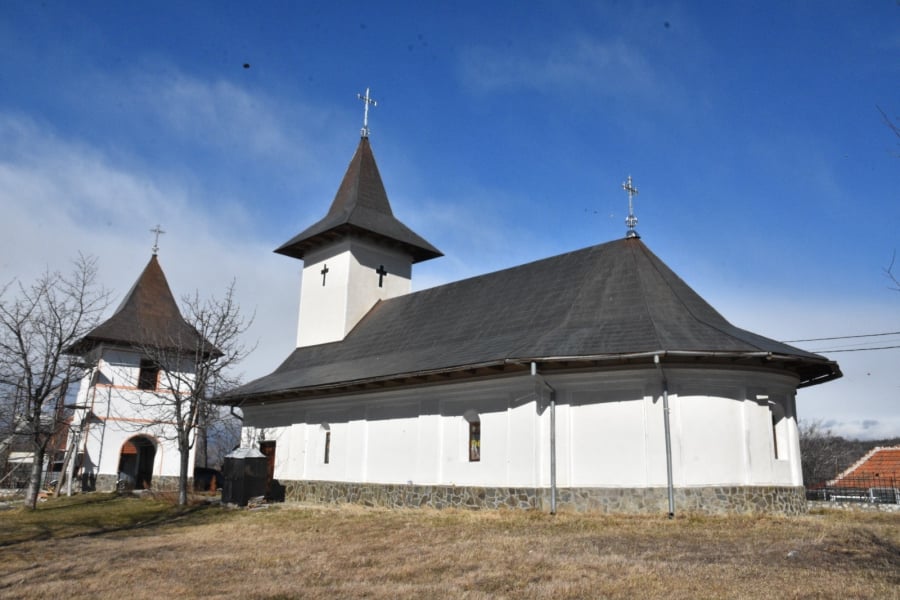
(610, 432)
(328, 312)
(323, 308)
(710, 430)
(114, 410)
(393, 436)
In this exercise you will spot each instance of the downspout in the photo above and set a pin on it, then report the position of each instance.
(669, 484)
(534, 373)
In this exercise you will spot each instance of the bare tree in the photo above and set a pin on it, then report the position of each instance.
(822, 452)
(38, 322)
(193, 368)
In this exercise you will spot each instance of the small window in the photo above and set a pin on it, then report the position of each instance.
(327, 454)
(474, 441)
(779, 430)
(149, 375)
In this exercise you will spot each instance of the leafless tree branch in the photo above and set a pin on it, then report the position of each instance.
(38, 323)
(193, 369)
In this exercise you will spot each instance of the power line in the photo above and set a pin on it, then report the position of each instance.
(854, 349)
(843, 337)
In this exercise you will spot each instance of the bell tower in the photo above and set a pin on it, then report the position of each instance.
(358, 254)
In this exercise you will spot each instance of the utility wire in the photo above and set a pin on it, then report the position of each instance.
(843, 337)
(854, 349)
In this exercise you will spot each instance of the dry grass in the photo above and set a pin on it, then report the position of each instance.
(352, 552)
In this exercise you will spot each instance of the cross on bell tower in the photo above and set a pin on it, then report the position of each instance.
(158, 231)
(630, 220)
(364, 132)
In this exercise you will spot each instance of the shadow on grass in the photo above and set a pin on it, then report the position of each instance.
(87, 500)
(97, 515)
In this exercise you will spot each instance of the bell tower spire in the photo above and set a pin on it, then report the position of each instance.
(358, 254)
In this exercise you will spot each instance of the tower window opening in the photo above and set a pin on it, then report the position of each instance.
(148, 377)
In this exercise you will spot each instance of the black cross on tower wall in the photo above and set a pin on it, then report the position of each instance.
(324, 272)
(382, 272)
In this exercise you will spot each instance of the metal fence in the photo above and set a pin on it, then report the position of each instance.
(871, 489)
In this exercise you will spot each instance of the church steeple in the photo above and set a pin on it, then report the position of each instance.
(361, 207)
(148, 316)
(358, 254)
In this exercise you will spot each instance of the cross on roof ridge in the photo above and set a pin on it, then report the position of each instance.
(631, 220)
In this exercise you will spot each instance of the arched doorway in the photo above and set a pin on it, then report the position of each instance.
(136, 462)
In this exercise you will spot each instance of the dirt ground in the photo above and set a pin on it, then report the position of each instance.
(141, 549)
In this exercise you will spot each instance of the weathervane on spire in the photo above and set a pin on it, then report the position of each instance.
(364, 132)
(630, 220)
(158, 231)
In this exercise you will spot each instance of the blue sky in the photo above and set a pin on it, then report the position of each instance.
(768, 179)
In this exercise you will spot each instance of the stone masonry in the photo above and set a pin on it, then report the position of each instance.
(705, 500)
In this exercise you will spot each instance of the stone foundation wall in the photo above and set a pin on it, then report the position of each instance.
(107, 483)
(706, 500)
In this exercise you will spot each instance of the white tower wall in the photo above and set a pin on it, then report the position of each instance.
(331, 304)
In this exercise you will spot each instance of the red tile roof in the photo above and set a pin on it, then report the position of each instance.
(878, 465)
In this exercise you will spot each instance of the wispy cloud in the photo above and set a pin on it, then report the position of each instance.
(222, 114)
(864, 429)
(609, 67)
(60, 197)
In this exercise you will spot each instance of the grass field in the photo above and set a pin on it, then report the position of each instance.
(101, 546)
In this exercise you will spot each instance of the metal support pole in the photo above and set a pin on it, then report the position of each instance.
(534, 373)
(669, 482)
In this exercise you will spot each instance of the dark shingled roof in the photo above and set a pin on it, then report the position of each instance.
(360, 207)
(147, 317)
(611, 304)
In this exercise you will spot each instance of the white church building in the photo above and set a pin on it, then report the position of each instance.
(121, 428)
(593, 380)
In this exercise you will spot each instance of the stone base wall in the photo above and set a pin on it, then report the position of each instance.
(706, 500)
(107, 483)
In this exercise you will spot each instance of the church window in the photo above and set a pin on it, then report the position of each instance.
(474, 438)
(148, 375)
(327, 453)
(779, 430)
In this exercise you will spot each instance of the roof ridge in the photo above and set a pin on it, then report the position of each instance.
(645, 295)
(655, 264)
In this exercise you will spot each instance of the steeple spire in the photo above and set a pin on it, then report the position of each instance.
(360, 206)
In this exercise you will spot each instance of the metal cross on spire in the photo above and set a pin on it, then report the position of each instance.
(630, 220)
(158, 231)
(364, 132)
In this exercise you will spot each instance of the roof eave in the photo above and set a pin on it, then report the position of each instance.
(827, 371)
(298, 248)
